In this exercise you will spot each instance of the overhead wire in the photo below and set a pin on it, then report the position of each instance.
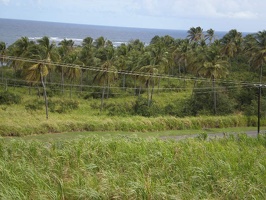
(124, 72)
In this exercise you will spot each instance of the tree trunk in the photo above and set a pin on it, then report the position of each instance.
(6, 85)
(108, 89)
(81, 77)
(194, 85)
(62, 81)
(159, 82)
(71, 85)
(152, 92)
(149, 93)
(45, 95)
(214, 97)
(102, 99)
(124, 81)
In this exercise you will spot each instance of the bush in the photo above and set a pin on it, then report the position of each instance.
(9, 98)
(35, 105)
(63, 106)
(123, 109)
(141, 108)
(202, 103)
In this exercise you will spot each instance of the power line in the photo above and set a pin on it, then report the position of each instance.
(133, 73)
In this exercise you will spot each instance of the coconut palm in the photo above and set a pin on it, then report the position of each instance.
(232, 43)
(181, 55)
(74, 71)
(19, 49)
(104, 77)
(148, 77)
(195, 34)
(48, 52)
(37, 72)
(210, 35)
(213, 66)
(3, 52)
(258, 51)
(66, 47)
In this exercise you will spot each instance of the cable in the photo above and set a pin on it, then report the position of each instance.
(133, 73)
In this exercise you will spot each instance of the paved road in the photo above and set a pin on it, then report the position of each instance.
(210, 135)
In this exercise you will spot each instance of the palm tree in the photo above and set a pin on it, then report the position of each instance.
(106, 75)
(195, 34)
(100, 42)
(3, 52)
(181, 55)
(74, 71)
(66, 47)
(210, 35)
(258, 51)
(214, 66)
(43, 54)
(232, 43)
(148, 77)
(19, 49)
(35, 73)
(48, 51)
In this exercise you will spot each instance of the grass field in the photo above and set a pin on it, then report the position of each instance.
(131, 167)
(87, 154)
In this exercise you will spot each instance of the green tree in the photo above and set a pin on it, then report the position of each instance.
(195, 34)
(35, 73)
(210, 35)
(105, 76)
(74, 70)
(215, 66)
(232, 43)
(257, 51)
(19, 50)
(3, 52)
(210, 63)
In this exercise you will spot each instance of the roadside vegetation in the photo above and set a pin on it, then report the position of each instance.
(198, 82)
(129, 167)
(201, 82)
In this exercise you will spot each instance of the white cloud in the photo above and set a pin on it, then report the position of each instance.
(241, 9)
(5, 2)
(174, 14)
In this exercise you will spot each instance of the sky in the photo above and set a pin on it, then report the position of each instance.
(220, 15)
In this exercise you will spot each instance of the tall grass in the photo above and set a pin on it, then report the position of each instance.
(17, 121)
(133, 168)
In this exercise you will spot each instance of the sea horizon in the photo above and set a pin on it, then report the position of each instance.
(13, 29)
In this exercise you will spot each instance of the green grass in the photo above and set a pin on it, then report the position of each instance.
(130, 167)
(16, 120)
(75, 135)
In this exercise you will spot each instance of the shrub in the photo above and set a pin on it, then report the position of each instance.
(202, 103)
(119, 109)
(9, 98)
(35, 105)
(63, 106)
(141, 108)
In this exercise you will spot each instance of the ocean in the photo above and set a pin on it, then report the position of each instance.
(12, 30)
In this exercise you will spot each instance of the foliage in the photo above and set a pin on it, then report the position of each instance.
(34, 105)
(133, 168)
(63, 105)
(143, 108)
(9, 98)
(201, 104)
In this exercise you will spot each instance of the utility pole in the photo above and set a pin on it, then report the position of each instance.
(259, 104)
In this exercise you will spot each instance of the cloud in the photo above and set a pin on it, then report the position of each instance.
(240, 9)
(5, 2)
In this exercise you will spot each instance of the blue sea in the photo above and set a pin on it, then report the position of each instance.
(12, 30)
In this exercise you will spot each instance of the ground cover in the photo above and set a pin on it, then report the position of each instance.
(130, 167)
